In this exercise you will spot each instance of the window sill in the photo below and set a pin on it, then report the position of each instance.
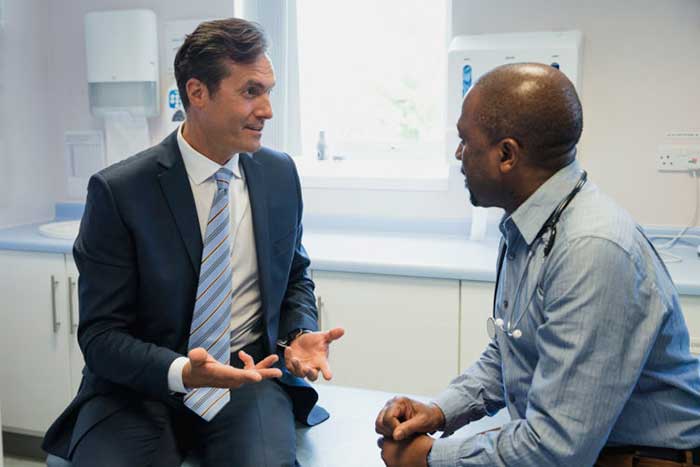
(396, 175)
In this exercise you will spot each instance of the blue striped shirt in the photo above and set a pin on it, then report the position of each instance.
(604, 355)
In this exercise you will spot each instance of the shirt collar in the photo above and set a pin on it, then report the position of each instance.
(534, 212)
(198, 166)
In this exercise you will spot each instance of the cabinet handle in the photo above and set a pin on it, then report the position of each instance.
(73, 324)
(319, 307)
(56, 322)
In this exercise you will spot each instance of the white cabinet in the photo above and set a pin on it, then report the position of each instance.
(475, 307)
(401, 333)
(37, 339)
(75, 355)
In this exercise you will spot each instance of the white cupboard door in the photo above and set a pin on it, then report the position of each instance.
(34, 369)
(476, 306)
(691, 310)
(76, 355)
(401, 332)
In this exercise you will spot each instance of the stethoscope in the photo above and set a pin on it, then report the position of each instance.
(550, 229)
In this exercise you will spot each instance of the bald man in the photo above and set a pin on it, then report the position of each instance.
(589, 352)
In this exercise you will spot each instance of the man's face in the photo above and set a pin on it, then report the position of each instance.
(479, 157)
(235, 114)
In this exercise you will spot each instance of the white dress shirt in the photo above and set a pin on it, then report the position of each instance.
(246, 311)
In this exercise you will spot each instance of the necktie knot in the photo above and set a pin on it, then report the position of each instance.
(223, 178)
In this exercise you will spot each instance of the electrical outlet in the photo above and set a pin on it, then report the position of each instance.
(695, 346)
(678, 157)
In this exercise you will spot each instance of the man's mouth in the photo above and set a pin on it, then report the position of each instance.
(254, 128)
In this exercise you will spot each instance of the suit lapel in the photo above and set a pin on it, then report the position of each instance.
(177, 191)
(257, 191)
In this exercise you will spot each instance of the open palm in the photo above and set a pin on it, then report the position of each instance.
(308, 354)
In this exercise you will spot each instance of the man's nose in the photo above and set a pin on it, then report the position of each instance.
(458, 152)
(264, 110)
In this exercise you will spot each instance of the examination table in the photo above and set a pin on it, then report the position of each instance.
(347, 438)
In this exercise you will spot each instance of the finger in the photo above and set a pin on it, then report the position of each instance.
(198, 356)
(408, 428)
(390, 419)
(326, 370)
(290, 367)
(270, 373)
(311, 373)
(334, 334)
(395, 411)
(379, 424)
(296, 367)
(245, 377)
(267, 362)
(248, 362)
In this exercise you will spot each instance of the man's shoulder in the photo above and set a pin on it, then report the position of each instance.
(268, 156)
(140, 166)
(594, 215)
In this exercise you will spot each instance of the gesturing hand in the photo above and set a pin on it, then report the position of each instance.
(308, 354)
(402, 418)
(203, 370)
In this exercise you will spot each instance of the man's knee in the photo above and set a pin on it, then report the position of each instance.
(140, 434)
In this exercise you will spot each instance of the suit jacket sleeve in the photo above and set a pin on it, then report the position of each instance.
(106, 258)
(298, 309)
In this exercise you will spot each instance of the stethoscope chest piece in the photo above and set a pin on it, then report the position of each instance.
(491, 328)
(492, 325)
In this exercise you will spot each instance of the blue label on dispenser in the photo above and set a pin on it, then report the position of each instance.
(466, 79)
(174, 101)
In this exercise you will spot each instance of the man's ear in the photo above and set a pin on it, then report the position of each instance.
(510, 153)
(197, 92)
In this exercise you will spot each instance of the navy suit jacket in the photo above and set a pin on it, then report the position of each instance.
(138, 253)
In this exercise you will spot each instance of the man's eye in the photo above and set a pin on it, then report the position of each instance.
(252, 91)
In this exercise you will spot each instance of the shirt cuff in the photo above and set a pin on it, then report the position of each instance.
(175, 383)
(444, 453)
(451, 404)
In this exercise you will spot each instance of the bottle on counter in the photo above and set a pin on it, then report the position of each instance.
(322, 146)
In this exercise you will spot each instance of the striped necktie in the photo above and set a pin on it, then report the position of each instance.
(212, 308)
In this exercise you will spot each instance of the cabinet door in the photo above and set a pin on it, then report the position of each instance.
(691, 309)
(75, 354)
(401, 333)
(34, 370)
(476, 305)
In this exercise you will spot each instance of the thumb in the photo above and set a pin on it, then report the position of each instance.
(198, 357)
(334, 334)
(406, 429)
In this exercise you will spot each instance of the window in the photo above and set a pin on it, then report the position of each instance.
(372, 76)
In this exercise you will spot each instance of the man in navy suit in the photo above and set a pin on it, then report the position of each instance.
(140, 255)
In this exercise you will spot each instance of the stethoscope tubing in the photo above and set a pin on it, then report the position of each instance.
(510, 327)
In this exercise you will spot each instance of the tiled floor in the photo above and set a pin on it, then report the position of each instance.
(22, 462)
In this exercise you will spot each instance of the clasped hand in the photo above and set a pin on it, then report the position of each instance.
(404, 423)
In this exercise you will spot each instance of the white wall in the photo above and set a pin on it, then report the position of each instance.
(641, 66)
(67, 65)
(640, 78)
(27, 180)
